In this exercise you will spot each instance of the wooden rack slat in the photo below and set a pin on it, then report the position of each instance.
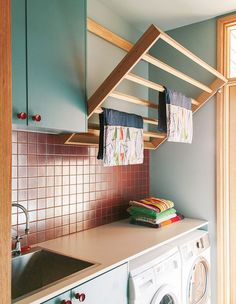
(98, 110)
(91, 139)
(94, 129)
(149, 145)
(125, 66)
(147, 120)
(150, 84)
(151, 121)
(167, 68)
(190, 55)
(108, 35)
(195, 102)
(157, 141)
(154, 134)
(133, 99)
(144, 82)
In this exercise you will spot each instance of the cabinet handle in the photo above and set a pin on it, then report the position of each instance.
(80, 296)
(36, 117)
(66, 302)
(22, 115)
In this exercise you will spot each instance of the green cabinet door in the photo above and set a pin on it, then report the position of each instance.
(56, 56)
(18, 61)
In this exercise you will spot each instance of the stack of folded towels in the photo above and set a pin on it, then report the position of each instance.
(153, 212)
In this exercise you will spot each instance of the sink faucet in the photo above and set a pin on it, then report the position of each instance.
(17, 247)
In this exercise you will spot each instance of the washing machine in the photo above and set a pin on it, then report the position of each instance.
(194, 250)
(155, 277)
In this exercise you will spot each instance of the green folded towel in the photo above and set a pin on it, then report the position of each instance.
(140, 211)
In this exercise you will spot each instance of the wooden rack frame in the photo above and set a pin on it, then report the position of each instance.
(137, 52)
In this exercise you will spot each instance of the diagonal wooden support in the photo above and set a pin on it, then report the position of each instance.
(124, 67)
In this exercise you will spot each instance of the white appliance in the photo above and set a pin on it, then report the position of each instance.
(155, 277)
(195, 257)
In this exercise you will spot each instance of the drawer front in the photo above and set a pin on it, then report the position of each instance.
(110, 287)
(66, 296)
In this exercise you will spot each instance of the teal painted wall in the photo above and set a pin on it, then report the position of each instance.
(183, 172)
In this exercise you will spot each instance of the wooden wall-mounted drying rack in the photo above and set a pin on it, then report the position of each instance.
(137, 52)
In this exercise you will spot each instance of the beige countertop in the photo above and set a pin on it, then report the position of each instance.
(108, 246)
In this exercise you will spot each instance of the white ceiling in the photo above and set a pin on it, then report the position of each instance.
(169, 14)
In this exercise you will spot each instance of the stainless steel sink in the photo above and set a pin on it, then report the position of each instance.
(40, 268)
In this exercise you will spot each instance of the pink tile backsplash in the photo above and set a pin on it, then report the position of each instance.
(66, 189)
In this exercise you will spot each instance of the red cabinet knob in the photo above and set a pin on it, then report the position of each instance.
(36, 117)
(80, 296)
(22, 115)
(66, 302)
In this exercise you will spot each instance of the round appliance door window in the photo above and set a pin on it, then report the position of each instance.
(167, 299)
(198, 282)
(165, 295)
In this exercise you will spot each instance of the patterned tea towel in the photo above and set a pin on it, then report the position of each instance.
(121, 138)
(175, 116)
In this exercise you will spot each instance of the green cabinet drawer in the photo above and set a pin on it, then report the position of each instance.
(110, 287)
(66, 296)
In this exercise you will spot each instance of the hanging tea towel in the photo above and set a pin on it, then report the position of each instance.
(175, 116)
(121, 138)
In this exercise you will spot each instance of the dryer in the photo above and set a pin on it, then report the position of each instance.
(155, 277)
(194, 250)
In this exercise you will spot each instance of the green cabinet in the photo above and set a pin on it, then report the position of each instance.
(49, 72)
(110, 287)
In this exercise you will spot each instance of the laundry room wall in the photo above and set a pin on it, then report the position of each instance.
(185, 173)
(102, 57)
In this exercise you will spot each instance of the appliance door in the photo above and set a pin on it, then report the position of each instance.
(165, 295)
(198, 287)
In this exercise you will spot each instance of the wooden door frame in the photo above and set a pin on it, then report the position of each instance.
(5, 151)
(222, 164)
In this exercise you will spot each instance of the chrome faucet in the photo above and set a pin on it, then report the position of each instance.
(17, 247)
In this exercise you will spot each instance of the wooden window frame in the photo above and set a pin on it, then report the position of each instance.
(224, 291)
(226, 64)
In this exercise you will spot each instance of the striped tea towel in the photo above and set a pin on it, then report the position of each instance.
(157, 204)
